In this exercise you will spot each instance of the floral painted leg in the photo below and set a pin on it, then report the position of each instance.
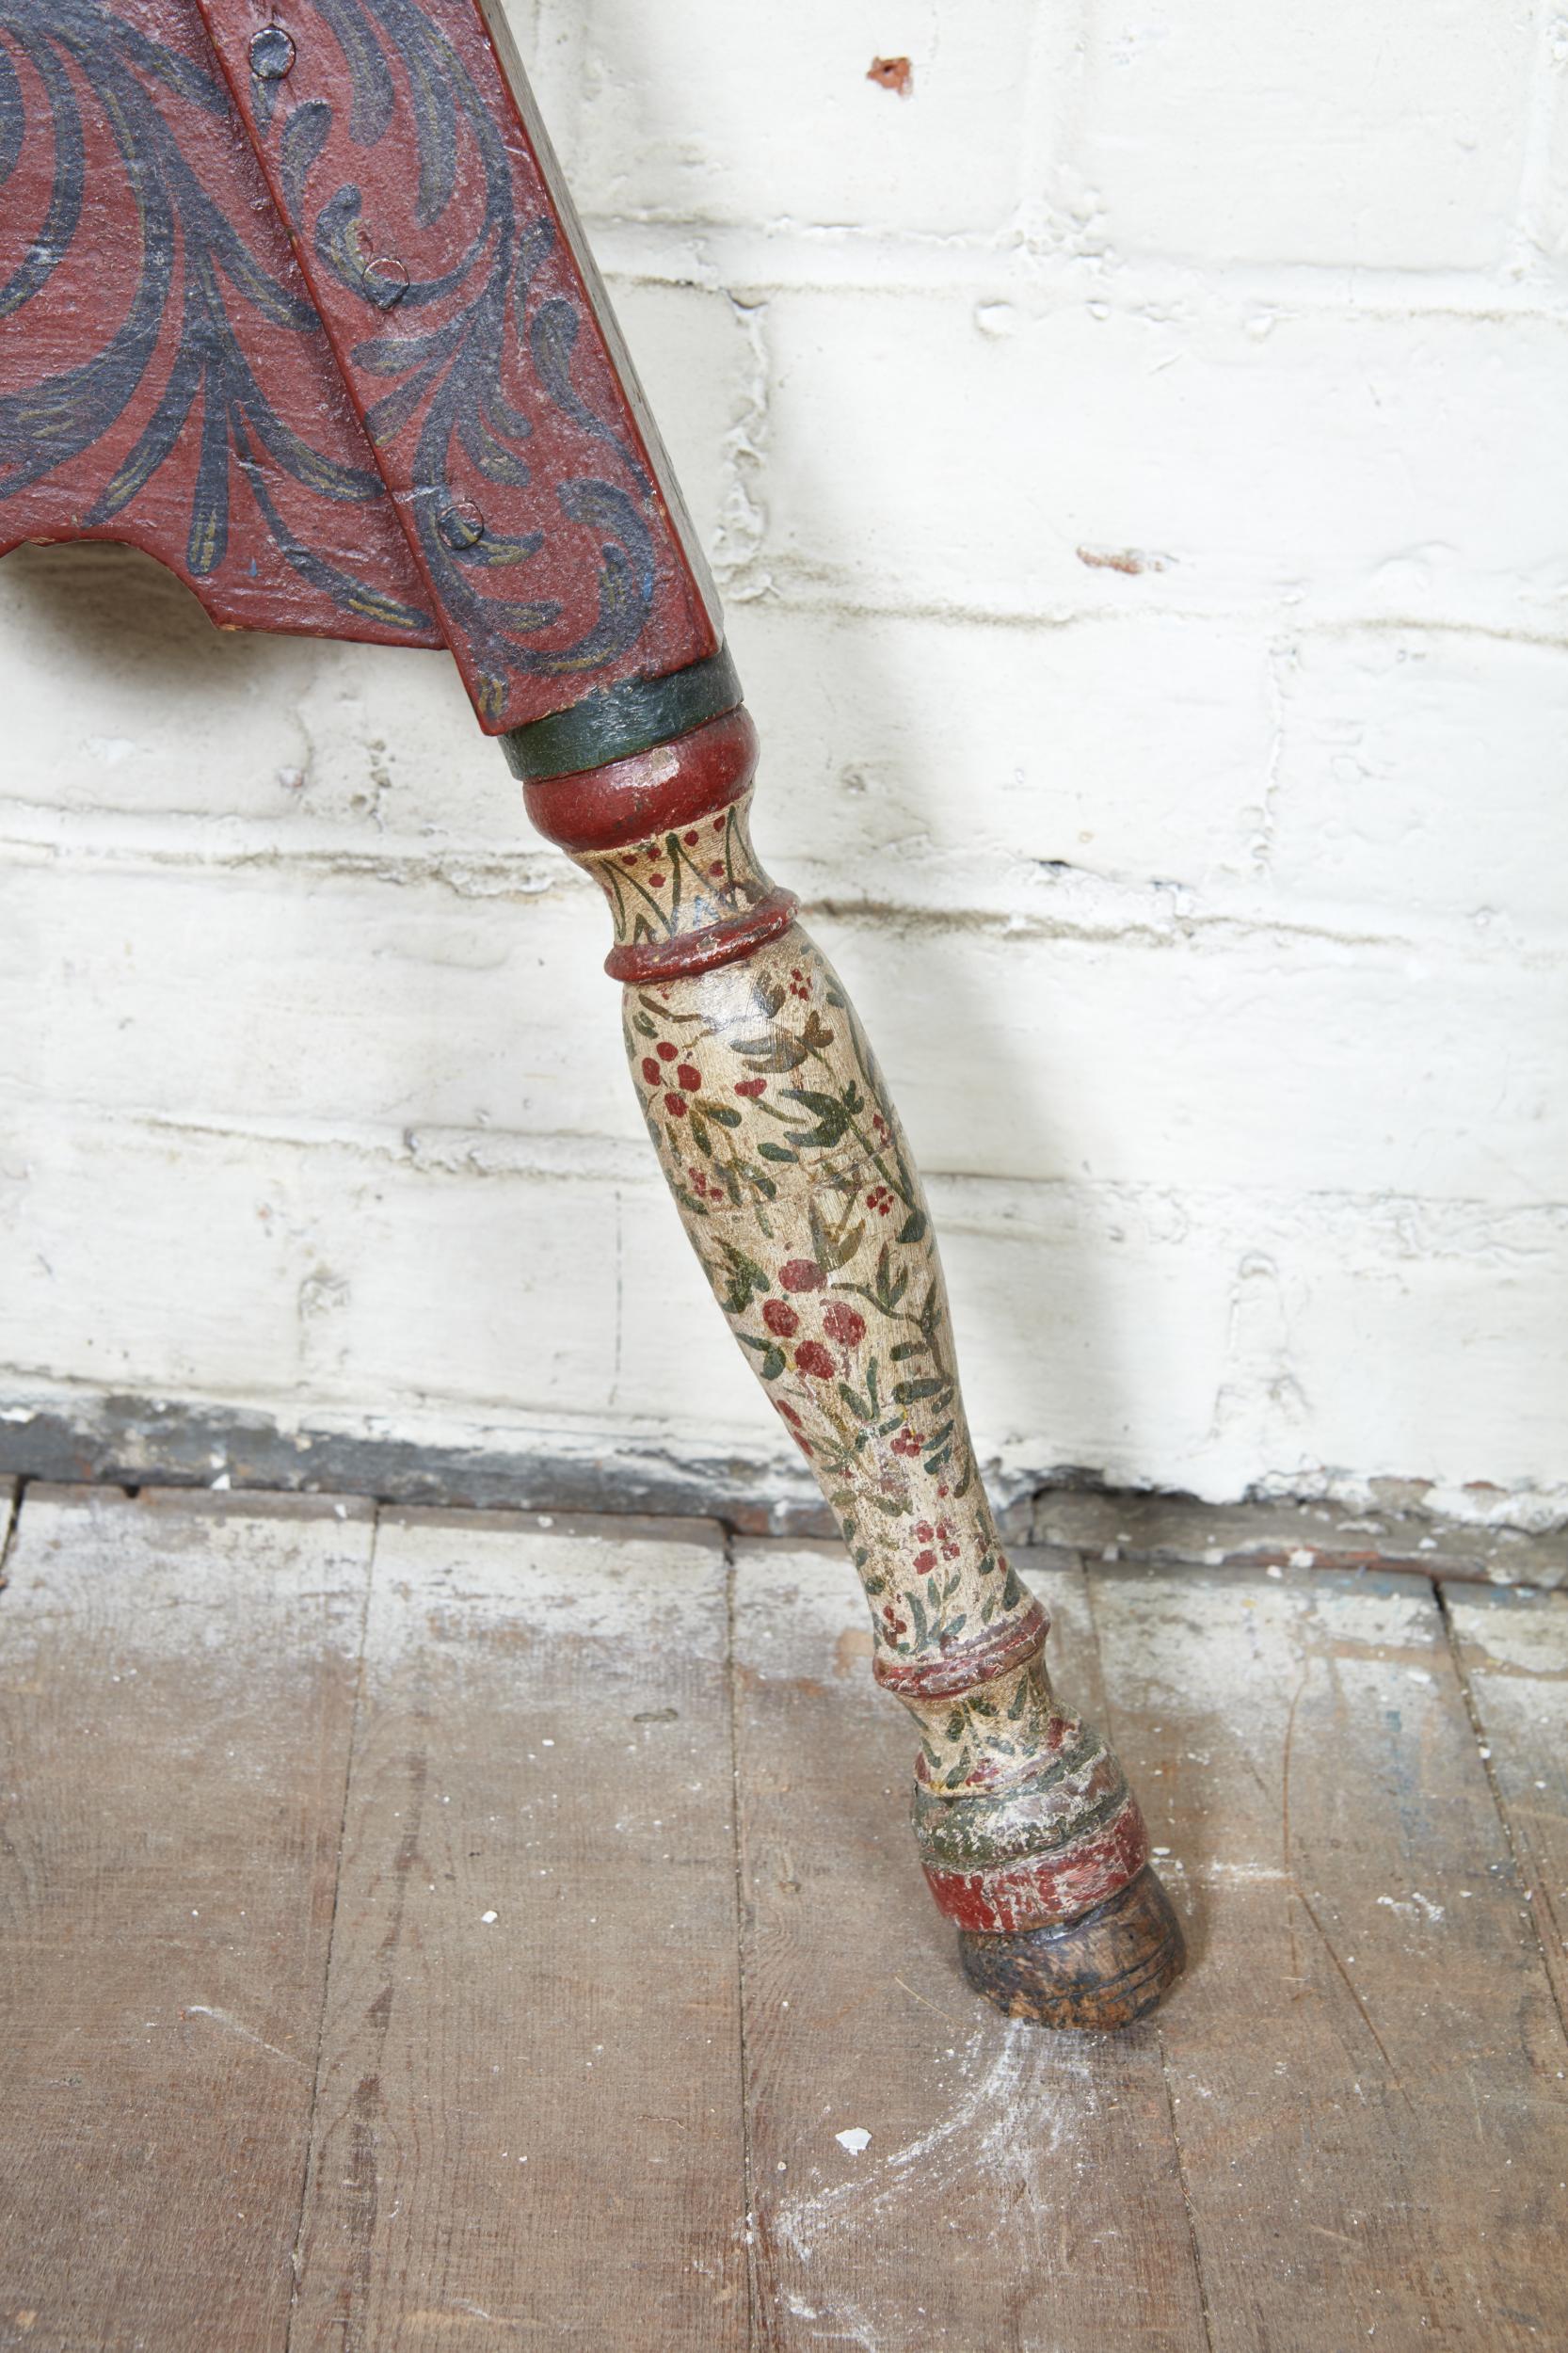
(796, 1187)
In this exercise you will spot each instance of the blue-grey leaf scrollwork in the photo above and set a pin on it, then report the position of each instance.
(447, 384)
(83, 55)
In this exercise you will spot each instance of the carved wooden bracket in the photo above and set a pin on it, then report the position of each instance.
(293, 298)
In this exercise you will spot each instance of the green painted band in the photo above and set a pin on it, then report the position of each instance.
(626, 719)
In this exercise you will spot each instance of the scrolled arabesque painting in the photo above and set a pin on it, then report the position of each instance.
(310, 331)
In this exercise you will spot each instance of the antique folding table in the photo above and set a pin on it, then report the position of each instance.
(293, 297)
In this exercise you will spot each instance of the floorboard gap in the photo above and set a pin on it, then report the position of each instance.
(1523, 1870)
(753, 2286)
(298, 2242)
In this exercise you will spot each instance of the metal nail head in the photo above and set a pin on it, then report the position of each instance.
(272, 54)
(460, 524)
(386, 281)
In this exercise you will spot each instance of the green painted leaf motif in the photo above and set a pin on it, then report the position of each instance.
(778, 1152)
(772, 1363)
(778, 1050)
(860, 1407)
(887, 1290)
(647, 1028)
(911, 1392)
(830, 1116)
(913, 1228)
(721, 1114)
(850, 1246)
(746, 1281)
(832, 1246)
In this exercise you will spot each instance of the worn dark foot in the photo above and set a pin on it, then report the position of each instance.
(1100, 1970)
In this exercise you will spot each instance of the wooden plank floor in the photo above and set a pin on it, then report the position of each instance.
(437, 1929)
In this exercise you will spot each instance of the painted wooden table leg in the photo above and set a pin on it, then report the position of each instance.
(785, 1155)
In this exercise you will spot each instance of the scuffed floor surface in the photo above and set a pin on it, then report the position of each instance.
(427, 1931)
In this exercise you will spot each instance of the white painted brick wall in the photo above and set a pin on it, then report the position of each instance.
(1207, 906)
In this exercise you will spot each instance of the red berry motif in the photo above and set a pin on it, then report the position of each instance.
(821, 1326)
(843, 1324)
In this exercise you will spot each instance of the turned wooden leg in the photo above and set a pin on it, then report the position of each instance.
(785, 1153)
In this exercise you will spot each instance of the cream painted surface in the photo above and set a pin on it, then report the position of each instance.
(1135, 466)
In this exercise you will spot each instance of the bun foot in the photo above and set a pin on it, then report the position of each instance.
(1094, 1974)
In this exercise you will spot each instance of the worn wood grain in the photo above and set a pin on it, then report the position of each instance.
(1019, 2189)
(528, 2124)
(1513, 1650)
(1367, 2074)
(176, 1689)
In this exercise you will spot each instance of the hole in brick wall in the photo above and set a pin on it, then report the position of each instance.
(894, 73)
